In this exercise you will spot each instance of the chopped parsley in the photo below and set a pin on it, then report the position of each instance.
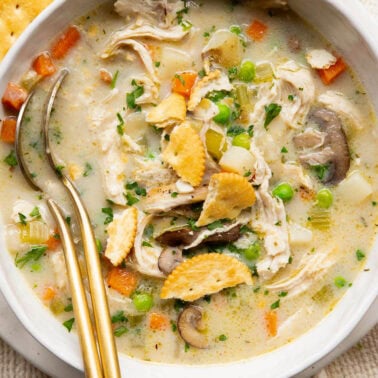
(192, 224)
(11, 159)
(146, 244)
(290, 97)
(282, 294)
(130, 199)
(173, 326)
(140, 191)
(68, 220)
(202, 73)
(216, 96)
(35, 213)
(374, 203)
(132, 96)
(157, 64)
(187, 347)
(320, 170)
(88, 169)
(250, 130)
(119, 317)
(275, 305)
(99, 246)
(216, 224)
(233, 73)
(235, 130)
(245, 229)
(149, 231)
(271, 112)
(59, 170)
(222, 337)
(118, 332)
(22, 219)
(284, 150)
(360, 255)
(236, 29)
(68, 308)
(180, 79)
(69, 323)
(174, 194)
(114, 80)
(247, 174)
(33, 255)
(108, 211)
(120, 125)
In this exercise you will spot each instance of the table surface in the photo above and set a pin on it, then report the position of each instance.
(360, 361)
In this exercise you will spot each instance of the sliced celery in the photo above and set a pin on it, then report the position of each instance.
(35, 232)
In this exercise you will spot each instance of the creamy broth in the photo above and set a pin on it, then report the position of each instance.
(327, 240)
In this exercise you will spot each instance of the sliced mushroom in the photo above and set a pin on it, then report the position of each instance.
(187, 238)
(189, 324)
(175, 238)
(339, 161)
(169, 259)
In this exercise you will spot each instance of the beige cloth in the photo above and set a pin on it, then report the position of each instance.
(361, 361)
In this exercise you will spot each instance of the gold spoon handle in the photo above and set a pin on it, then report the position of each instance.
(92, 365)
(104, 329)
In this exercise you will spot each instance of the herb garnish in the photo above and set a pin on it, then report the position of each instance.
(33, 255)
(271, 112)
(235, 130)
(109, 212)
(320, 170)
(132, 96)
(360, 255)
(119, 316)
(114, 80)
(11, 159)
(69, 323)
(22, 218)
(120, 125)
(275, 305)
(88, 170)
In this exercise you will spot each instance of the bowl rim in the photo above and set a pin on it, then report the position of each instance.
(352, 11)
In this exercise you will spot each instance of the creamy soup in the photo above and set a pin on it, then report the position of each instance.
(226, 155)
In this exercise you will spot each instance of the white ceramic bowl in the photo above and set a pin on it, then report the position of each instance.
(347, 26)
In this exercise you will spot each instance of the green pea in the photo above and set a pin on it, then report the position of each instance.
(143, 301)
(283, 191)
(247, 71)
(324, 198)
(242, 140)
(223, 115)
(252, 252)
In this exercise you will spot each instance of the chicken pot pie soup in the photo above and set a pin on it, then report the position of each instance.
(227, 163)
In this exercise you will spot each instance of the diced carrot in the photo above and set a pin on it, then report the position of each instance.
(8, 130)
(48, 293)
(53, 241)
(65, 42)
(256, 30)
(328, 75)
(122, 280)
(158, 322)
(105, 76)
(183, 83)
(271, 323)
(44, 65)
(14, 96)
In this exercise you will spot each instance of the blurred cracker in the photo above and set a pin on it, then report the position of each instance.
(15, 16)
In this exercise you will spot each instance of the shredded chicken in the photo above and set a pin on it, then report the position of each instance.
(215, 81)
(320, 59)
(161, 11)
(313, 268)
(296, 92)
(141, 49)
(338, 102)
(317, 157)
(151, 173)
(310, 138)
(59, 268)
(269, 218)
(293, 173)
(146, 258)
(150, 90)
(159, 199)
